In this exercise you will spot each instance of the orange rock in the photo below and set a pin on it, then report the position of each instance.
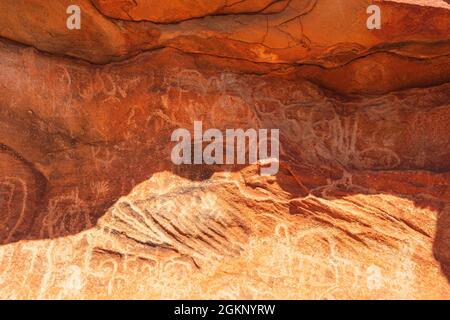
(91, 205)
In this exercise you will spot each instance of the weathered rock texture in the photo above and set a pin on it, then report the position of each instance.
(92, 206)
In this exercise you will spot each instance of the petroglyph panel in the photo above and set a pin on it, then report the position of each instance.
(91, 205)
(21, 191)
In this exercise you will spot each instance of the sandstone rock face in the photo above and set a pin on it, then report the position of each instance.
(91, 205)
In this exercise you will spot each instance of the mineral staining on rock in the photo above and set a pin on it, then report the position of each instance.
(93, 207)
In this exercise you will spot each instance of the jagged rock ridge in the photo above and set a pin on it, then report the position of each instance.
(92, 206)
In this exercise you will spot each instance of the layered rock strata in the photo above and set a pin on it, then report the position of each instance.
(93, 207)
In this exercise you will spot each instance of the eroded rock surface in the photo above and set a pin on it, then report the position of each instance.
(92, 206)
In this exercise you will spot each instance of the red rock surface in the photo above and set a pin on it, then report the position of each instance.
(92, 206)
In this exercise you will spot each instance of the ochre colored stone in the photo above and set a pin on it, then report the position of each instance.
(91, 205)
